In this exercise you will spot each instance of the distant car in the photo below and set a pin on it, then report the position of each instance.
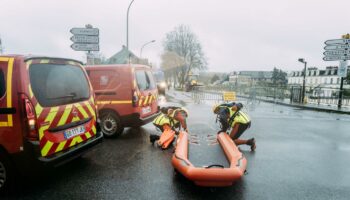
(160, 80)
(126, 96)
(47, 114)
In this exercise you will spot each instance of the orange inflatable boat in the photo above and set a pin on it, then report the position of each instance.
(208, 160)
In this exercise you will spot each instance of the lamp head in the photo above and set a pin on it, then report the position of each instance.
(301, 60)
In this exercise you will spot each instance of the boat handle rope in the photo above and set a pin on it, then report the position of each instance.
(215, 165)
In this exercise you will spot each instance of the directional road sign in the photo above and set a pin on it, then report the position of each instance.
(338, 47)
(85, 31)
(332, 58)
(337, 41)
(337, 53)
(85, 47)
(84, 39)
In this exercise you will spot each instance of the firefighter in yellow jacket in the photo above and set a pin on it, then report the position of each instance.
(170, 117)
(231, 116)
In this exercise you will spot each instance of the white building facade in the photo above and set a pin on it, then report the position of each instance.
(324, 83)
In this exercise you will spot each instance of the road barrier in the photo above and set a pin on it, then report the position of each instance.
(199, 96)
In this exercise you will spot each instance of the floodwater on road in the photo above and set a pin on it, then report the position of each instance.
(300, 155)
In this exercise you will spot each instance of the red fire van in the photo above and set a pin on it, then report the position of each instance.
(126, 96)
(47, 114)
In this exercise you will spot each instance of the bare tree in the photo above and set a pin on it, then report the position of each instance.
(183, 43)
(171, 63)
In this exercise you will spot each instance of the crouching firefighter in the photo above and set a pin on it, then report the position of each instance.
(231, 116)
(169, 122)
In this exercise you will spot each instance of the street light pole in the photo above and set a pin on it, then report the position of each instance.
(127, 26)
(302, 60)
(144, 46)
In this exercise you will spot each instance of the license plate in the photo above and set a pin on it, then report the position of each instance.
(74, 132)
(146, 110)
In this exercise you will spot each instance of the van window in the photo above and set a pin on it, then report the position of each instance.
(151, 80)
(55, 84)
(145, 80)
(141, 79)
(2, 84)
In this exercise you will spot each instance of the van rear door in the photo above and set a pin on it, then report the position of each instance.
(10, 129)
(147, 92)
(63, 101)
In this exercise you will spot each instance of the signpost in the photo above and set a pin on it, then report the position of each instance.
(339, 49)
(336, 52)
(85, 47)
(86, 39)
(333, 58)
(337, 41)
(85, 31)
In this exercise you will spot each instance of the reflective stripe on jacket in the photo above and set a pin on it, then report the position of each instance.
(241, 117)
(164, 119)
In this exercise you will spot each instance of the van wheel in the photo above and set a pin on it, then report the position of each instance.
(111, 125)
(6, 174)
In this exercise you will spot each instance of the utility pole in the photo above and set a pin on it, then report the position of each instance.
(302, 60)
(345, 63)
(127, 26)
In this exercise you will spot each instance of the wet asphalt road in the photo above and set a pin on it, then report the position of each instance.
(300, 155)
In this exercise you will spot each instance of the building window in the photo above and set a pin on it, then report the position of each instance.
(331, 80)
(338, 80)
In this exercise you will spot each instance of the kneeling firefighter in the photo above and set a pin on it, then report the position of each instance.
(169, 122)
(231, 116)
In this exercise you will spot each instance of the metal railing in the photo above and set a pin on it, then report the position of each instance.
(313, 95)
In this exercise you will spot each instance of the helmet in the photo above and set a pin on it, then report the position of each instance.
(239, 106)
(170, 111)
(215, 107)
(185, 110)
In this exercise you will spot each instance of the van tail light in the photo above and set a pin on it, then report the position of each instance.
(135, 98)
(31, 120)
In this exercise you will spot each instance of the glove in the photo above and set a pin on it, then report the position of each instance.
(221, 131)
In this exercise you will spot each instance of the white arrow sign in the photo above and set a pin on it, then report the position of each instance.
(84, 39)
(332, 58)
(85, 47)
(337, 52)
(337, 41)
(338, 47)
(85, 31)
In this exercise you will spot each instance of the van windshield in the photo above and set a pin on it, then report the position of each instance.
(55, 84)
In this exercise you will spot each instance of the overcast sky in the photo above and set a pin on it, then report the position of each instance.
(236, 35)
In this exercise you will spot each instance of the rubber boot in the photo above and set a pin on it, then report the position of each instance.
(251, 143)
(153, 138)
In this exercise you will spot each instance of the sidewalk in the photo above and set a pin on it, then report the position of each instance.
(307, 106)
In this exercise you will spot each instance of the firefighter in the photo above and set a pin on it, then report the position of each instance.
(231, 116)
(171, 117)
